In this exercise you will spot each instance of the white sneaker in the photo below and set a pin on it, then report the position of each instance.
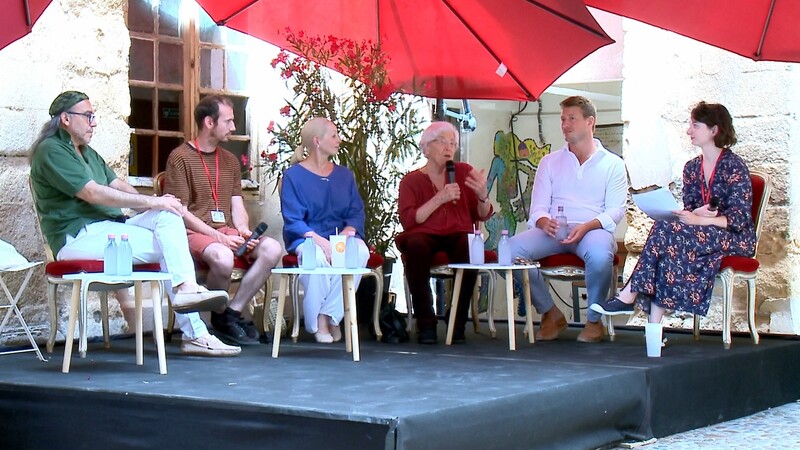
(208, 345)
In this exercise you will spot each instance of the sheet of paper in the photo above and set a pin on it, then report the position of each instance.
(657, 204)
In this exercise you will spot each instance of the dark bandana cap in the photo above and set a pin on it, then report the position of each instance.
(65, 101)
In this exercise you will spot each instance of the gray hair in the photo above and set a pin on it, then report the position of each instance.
(433, 132)
(49, 129)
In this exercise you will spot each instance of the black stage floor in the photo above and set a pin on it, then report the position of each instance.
(560, 394)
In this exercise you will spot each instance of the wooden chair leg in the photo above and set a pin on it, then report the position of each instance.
(52, 295)
(104, 318)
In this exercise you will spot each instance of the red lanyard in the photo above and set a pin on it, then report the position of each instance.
(214, 188)
(706, 194)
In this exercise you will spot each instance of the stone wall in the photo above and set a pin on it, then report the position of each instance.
(664, 75)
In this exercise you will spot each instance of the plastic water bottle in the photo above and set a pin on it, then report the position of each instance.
(504, 250)
(476, 249)
(124, 256)
(563, 229)
(351, 251)
(110, 256)
(309, 254)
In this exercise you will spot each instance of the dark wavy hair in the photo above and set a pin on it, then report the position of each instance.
(716, 115)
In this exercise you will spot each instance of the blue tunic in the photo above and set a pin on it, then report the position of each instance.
(678, 264)
(310, 202)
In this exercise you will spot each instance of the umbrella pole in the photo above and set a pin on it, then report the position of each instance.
(27, 13)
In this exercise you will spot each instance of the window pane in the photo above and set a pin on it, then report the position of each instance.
(141, 157)
(140, 16)
(240, 148)
(236, 70)
(170, 63)
(165, 146)
(209, 31)
(168, 18)
(141, 108)
(239, 116)
(141, 60)
(169, 110)
(211, 68)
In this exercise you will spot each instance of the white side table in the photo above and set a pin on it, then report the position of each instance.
(459, 268)
(350, 328)
(80, 289)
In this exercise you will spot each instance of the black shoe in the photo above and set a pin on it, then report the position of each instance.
(458, 335)
(250, 328)
(226, 326)
(612, 307)
(427, 336)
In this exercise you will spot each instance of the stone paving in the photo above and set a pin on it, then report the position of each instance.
(776, 428)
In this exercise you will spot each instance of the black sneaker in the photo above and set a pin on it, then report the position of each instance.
(427, 336)
(250, 328)
(612, 307)
(226, 326)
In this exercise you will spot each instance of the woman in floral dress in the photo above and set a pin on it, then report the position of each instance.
(681, 257)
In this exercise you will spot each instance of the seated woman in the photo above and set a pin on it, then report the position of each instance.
(437, 216)
(681, 257)
(320, 197)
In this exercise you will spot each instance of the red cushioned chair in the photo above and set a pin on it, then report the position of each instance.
(55, 270)
(570, 267)
(440, 270)
(736, 268)
(374, 264)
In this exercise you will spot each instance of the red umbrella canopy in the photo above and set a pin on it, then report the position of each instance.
(757, 29)
(18, 18)
(473, 49)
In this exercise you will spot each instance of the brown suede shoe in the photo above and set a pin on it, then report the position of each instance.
(553, 322)
(592, 332)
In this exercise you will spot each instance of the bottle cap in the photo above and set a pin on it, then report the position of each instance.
(351, 233)
(504, 232)
(309, 234)
(111, 236)
(124, 237)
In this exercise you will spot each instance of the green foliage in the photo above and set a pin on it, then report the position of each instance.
(378, 127)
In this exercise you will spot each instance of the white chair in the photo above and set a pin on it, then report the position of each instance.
(12, 307)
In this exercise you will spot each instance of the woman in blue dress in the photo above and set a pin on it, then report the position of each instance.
(321, 198)
(681, 257)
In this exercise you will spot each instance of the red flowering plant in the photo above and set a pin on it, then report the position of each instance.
(379, 127)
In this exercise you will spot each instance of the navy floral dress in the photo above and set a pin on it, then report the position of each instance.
(678, 263)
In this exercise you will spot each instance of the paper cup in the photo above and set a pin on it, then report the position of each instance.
(337, 250)
(653, 333)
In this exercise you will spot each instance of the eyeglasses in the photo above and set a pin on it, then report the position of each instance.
(89, 115)
(446, 143)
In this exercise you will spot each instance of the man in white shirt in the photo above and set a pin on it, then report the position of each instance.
(591, 184)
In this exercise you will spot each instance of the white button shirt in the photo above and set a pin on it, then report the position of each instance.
(596, 189)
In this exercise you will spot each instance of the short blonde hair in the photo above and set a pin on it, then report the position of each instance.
(315, 127)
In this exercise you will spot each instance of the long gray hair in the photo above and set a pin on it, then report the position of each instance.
(49, 129)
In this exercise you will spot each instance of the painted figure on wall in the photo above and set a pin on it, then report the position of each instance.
(513, 168)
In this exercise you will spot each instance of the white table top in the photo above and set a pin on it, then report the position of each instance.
(135, 276)
(321, 271)
(493, 266)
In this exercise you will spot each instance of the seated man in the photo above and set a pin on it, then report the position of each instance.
(78, 200)
(207, 180)
(591, 184)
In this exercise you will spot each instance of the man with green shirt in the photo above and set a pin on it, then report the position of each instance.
(78, 200)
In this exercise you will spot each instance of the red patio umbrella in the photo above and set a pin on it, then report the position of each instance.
(757, 29)
(18, 18)
(472, 49)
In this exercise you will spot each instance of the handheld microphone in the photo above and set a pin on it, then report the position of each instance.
(260, 229)
(450, 166)
(713, 204)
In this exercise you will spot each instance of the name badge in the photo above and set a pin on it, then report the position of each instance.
(217, 216)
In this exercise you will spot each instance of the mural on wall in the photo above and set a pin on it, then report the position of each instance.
(512, 172)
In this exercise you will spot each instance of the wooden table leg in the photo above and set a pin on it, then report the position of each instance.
(512, 339)
(276, 340)
(454, 306)
(158, 326)
(83, 318)
(137, 302)
(348, 285)
(73, 313)
(526, 288)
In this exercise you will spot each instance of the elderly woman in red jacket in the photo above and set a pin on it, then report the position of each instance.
(437, 216)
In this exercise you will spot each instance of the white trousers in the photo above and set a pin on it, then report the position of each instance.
(155, 236)
(323, 293)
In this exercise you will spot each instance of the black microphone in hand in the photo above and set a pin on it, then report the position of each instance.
(713, 204)
(450, 166)
(260, 229)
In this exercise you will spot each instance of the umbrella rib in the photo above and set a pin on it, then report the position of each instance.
(509, 72)
(27, 13)
(764, 31)
(569, 19)
(222, 22)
